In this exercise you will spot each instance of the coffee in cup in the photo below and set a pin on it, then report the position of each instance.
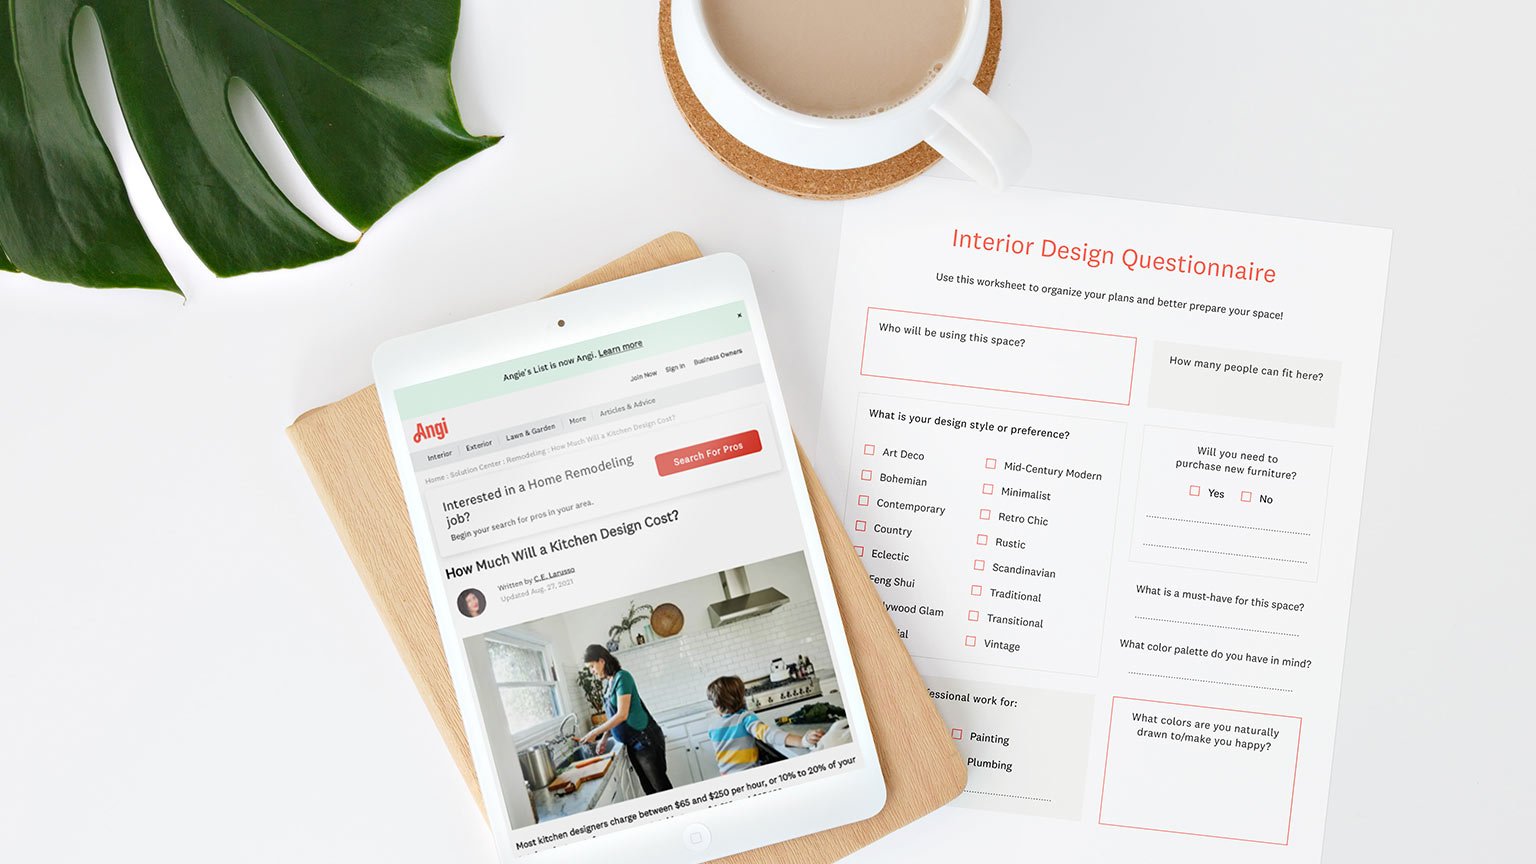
(843, 84)
(836, 58)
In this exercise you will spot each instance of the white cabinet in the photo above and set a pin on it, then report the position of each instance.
(620, 783)
(680, 768)
(701, 748)
(704, 757)
(690, 755)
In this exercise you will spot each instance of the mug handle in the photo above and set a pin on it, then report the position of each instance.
(979, 137)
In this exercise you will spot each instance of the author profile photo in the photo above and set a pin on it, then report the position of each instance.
(471, 603)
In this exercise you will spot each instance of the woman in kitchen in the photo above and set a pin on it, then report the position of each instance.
(628, 721)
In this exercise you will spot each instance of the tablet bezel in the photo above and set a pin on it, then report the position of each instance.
(827, 802)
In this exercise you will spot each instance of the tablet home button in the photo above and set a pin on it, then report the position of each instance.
(696, 837)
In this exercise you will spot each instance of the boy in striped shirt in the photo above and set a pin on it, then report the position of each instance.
(736, 731)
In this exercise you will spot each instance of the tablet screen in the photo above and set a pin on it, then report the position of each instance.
(616, 530)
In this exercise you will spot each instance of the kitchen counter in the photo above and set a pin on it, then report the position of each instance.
(547, 805)
(684, 713)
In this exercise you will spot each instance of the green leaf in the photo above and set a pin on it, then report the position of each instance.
(359, 91)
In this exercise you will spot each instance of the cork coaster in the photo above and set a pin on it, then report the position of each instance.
(793, 179)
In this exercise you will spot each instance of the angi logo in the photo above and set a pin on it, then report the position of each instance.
(438, 430)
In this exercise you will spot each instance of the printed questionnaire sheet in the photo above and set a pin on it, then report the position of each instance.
(1103, 460)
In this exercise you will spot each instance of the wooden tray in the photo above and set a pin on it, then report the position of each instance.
(344, 449)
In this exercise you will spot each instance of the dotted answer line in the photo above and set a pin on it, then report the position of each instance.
(1229, 525)
(1208, 681)
(1219, 552)
(1006, 795)
(1218, 626)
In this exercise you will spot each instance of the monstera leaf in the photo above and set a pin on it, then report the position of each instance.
(358, 89)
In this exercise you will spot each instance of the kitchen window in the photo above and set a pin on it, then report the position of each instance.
(525, 677)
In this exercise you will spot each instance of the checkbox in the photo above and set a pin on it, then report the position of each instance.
(981, 539)
(866, 474)
(986, 488)
(869, 449)
(956, 734)
(970, 641)
(1246, 497)
(860, 525)
(985, 514)
(975, 590)
(863, 500)
(860, 550)
(973, 615)
(991, 463)
(978, 564)
(1194, 491)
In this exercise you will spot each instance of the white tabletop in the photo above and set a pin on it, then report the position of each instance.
(190, 670)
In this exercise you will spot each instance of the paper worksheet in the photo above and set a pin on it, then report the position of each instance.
(1103, 460)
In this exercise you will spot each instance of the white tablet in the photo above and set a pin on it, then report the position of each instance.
(626, 571)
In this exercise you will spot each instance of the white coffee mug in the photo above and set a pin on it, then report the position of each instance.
(949, 112)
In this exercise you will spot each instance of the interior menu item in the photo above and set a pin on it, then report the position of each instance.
(1103, 460)
(632, 447)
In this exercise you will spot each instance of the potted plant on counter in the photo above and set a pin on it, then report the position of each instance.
(592, 689)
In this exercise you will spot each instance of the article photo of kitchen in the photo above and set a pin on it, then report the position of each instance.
(641, 694)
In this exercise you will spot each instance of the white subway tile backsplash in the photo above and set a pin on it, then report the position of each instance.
(674, 672)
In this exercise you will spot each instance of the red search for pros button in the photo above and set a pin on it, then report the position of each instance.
(708, 453)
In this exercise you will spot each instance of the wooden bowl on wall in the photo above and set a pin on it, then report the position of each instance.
(666, 620)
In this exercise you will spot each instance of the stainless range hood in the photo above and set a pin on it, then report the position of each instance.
(741, 602)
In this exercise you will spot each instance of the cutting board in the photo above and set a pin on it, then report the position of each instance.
(344, 449)
(571, 778)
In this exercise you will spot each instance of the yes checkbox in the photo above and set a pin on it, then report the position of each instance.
(1194, 491)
